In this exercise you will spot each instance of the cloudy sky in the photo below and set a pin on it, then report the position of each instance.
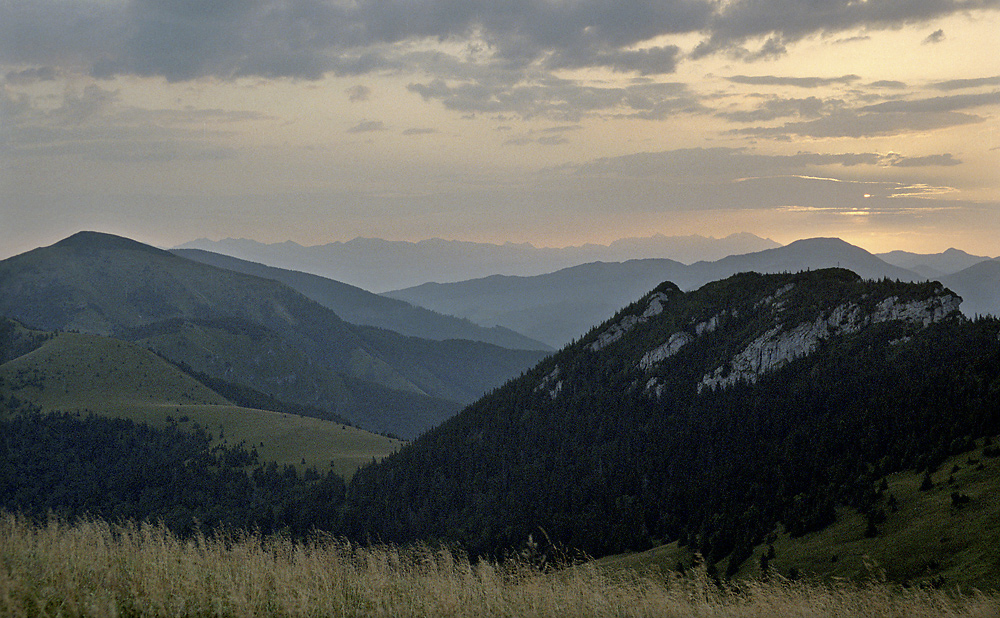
(555, 122)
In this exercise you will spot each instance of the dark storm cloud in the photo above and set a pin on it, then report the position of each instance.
(185, 39)
(560, 35)
(786, 21)
(56, 32)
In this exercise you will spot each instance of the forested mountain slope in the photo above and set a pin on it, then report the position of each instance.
(248, 330)
(708, 418)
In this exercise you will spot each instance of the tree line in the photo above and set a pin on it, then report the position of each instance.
(74, 466)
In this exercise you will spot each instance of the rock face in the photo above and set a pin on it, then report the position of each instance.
(551, 383)
(618, 330)
(780, 345)
(665, 351)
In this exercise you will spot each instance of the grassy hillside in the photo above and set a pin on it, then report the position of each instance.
(89, 373)
(76, 371)
(932, 539)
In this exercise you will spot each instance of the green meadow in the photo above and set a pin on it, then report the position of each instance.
(929, 539)
(74, 372)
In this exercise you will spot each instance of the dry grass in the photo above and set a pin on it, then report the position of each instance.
(96, 569)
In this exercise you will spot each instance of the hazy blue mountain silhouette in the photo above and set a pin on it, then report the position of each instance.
(380, 265)
(933, 265)
(360, 306)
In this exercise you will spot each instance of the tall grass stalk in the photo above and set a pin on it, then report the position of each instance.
(93, 568)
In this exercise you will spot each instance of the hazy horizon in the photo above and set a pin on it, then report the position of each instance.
(612, 244)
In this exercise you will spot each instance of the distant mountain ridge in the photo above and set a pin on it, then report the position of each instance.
(979, 286)
(251, 331)
(557, 307)
(379, 265)
(933, 266)
(359, 306)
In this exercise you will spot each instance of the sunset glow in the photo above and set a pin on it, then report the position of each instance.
(550, 123)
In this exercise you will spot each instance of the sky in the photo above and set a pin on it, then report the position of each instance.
(554, 122)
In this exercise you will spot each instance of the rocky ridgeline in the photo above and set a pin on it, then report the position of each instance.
(780, 345)
(784, 339)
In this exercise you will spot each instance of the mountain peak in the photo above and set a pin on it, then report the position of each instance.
(89, 240)
(953, 252)
(824, 241)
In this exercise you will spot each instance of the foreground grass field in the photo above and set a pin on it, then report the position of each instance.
(96, 569)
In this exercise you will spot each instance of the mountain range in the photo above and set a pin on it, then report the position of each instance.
(380, 265)
(932, 266)
(252, 331)
(718, 414)
(558, 307)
